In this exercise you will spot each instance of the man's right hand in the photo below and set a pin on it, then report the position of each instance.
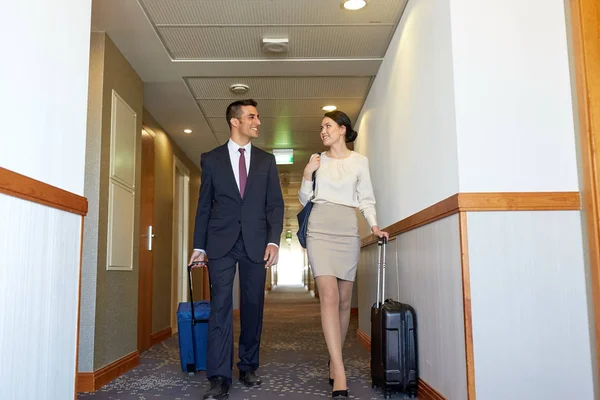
(198, 259)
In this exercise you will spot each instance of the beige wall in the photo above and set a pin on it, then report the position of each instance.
(91, 242)
(165, 151)
(109, 298)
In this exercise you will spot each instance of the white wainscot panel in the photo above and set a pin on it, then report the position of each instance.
(430, 279)
(39, 285)
(366, 282)
(529, 306)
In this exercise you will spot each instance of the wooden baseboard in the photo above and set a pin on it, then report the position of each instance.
(354, 311)
(236, 313)
(85, 382)
(426, 392)
(159, 336)
(364, 339)
(92, 381)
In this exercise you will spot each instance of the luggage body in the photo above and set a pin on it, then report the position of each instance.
(394, 356)
(193, 337)
(192, 324)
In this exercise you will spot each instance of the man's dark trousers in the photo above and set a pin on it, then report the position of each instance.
(220, 326)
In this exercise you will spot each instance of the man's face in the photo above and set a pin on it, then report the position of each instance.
(248, 122)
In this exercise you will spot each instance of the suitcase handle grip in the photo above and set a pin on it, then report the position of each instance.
(190, 269)
(381, 246)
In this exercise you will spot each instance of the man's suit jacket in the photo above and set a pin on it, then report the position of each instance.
(222, 212)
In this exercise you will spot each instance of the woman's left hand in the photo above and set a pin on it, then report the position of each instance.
(379, 233)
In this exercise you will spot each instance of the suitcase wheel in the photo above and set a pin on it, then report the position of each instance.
(191, 369)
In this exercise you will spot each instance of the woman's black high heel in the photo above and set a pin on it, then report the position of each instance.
(330, 380)
(339, 394)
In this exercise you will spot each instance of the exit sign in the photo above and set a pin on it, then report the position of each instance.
(284, 156)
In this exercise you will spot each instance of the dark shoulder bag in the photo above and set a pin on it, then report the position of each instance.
(304, 214)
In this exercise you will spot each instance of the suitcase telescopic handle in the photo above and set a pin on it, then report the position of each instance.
(381, 245)
(190, 269)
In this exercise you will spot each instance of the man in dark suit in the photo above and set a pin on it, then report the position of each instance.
(239, 220)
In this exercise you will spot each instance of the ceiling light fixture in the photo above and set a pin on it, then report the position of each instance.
(354, 5)
(188, 131)
(239, 88)
(329, 108)
(275, 45)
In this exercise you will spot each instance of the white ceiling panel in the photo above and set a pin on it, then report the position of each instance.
(269, 12)
(244, 43)
(281, 87)
(286, 107)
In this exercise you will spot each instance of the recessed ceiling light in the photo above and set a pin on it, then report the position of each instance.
(354, 4)
(275, 45)
(239, 88)
(329, 108)
(187, 131)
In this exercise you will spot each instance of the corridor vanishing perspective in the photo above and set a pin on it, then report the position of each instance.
(293, 360)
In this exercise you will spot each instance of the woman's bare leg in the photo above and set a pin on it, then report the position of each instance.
(330, 320)
(345, 294)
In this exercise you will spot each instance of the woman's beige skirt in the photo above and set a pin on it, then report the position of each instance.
(332, 241)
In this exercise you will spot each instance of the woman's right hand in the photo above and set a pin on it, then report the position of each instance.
(312, 166)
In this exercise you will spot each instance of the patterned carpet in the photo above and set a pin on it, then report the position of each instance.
(293, 361)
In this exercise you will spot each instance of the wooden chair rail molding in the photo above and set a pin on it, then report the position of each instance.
(471, 202)
(21, 186)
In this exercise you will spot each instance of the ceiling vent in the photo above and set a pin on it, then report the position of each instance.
(239, 88)
(273, 45)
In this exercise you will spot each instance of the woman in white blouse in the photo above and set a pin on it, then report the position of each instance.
(343, 183)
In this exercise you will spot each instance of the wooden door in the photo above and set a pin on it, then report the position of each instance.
(585, 19)
(146, 237)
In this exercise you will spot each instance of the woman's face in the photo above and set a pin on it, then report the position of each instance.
(331, 132)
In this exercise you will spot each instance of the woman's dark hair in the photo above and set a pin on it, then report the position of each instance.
(342, 119)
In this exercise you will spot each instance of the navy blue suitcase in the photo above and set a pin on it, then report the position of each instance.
(192, 324)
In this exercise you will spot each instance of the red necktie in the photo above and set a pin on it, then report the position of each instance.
(243, 173)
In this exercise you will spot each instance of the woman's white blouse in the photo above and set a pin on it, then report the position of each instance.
(344, 181)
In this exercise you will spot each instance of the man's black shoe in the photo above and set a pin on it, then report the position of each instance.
(219, 389)
(249, 378)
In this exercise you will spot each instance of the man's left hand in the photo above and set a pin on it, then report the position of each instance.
(271, 255)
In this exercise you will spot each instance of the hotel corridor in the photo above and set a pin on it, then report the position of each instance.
(293, 360)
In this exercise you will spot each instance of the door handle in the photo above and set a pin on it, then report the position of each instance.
(150, 235)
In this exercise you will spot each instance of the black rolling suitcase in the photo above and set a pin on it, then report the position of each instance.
(394, 361)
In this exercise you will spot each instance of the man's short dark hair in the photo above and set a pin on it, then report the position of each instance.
(234, 110)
